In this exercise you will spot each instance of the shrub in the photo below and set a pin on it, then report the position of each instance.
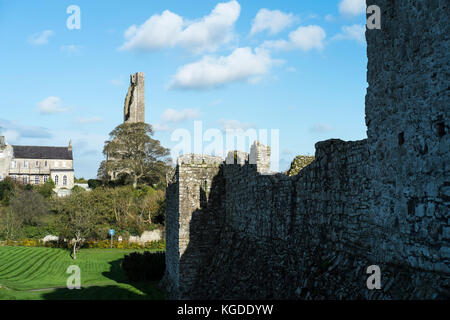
(146, 266)
(94, 183)
(6, 190)
(46, 189)
(104, 244)
(299, 163)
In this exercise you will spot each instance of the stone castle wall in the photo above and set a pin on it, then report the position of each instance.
(235, 231)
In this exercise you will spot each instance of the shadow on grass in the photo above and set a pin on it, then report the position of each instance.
(117, 274)
(124, 290)
(110, 292)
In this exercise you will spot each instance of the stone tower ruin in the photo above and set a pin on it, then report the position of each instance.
(134, 108)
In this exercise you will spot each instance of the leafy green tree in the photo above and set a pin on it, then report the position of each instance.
(132, 151)
(30, 206)
(78, 220)
(10, 224)
(46, 189)
(150, 205)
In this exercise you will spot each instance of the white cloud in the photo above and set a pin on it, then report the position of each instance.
(51, 105)
(172, 115)
(291, 69)
(329, 17)
(90, 120)
(14, 131)
(354, 32)
(241, 65)
(169, 29)
(216, 102)
(307, 38)
(277, 44)
(274, 21)
(321, 128)
(40, 38)
(235, 125)
(117, 82)
(71, 49)
(304, 38)
(352, 7)
(161, 127)
(11, 136)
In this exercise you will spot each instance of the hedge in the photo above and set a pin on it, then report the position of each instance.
(104, 244)
(146, 266)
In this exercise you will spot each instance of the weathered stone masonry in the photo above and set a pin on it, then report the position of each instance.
(234, 231)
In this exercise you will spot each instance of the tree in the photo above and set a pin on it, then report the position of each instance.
(46, 189)
(78, 220)
(6, 190)
(132, 151)
(30, 206)
(10, 224)
(150, 205)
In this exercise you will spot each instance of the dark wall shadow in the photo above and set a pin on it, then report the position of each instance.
(205, 227)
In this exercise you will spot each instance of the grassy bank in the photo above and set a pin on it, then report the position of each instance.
(40, 273)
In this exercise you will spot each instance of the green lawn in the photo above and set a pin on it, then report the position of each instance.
(27, 273)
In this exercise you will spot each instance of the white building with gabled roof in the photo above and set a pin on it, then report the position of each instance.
(37, 164)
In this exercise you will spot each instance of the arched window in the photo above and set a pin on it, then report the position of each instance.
(56, 180)
(65, 181)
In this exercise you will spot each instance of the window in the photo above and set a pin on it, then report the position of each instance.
(65, 181)
(14, 177)
(56, 180)
(25, 164)
(25, 179)
(36, 180)
(45, 164)
(37, 164)
(45, 179)
(13, 164)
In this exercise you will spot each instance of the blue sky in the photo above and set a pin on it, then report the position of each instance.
(295, 66)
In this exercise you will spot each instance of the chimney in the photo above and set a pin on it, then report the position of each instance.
(70, 145)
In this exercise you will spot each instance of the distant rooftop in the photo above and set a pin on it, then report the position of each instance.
(37, 152)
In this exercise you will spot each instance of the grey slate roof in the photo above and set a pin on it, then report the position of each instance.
(36, 152)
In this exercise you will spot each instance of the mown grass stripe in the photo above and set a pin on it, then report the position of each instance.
(17, 260)
(26, 265)
(37, 271)
(9, 251)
